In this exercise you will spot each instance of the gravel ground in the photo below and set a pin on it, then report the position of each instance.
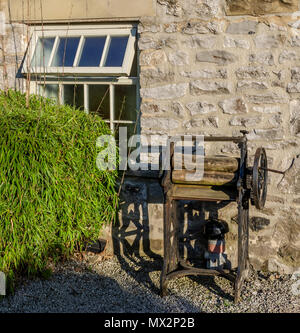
(131, 285)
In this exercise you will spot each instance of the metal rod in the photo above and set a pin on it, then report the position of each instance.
(237, 139)
(272, 170)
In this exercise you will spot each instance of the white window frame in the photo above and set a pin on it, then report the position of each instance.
(122, 81)
(111, 76)
(63, 31)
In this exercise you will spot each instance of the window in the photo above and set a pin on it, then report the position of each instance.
(85, 50)
(90, 67)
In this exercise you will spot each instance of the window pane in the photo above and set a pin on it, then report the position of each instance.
(92, 51)
(116, 51)
(74, 95)
(50, 91)
(131, 130)
(125, 103)
(42, 52)
(66, 51)
(99, 100)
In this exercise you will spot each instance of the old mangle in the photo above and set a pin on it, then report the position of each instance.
(224, 179)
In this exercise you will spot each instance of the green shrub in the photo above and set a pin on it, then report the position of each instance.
(53, 198)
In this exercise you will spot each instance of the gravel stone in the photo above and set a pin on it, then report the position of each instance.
(131, 285)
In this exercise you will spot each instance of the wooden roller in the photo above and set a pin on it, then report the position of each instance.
(211, 163)
(217, 178)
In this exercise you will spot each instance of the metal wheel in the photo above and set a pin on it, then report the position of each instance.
(260, 178)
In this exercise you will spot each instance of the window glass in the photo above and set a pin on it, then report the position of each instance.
(92, 51)
(131, 130)
(125, 102)
(74, 95)
(42, 52)
(49, 91)
(66, 51)
(99, 101)
(52, 91)
(116, 52)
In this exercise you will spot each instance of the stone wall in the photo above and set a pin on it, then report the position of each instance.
(13, 43)
(205, 70)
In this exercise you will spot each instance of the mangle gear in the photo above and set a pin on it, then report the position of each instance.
(239, 183)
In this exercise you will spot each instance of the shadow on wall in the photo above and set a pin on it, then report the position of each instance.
(132, 233)
(139, 229)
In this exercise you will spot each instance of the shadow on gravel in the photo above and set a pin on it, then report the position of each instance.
(209, 283)
(87, 292)
(145, 267)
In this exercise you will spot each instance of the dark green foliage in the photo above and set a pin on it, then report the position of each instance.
(52, 196)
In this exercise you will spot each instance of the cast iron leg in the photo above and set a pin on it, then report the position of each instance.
(243, 252)
(167, 246)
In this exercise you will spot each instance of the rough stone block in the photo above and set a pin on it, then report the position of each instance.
(269, 41)
(165, 92)
(295, 41)
(198, 108)
(295, 73)
(206, 42)
(293, 87)
(155, 75)
(218, 57)
(260, 7)
(149, 27)
(152, 58)
(275, 120)
(268, 98)
(147, 42)
(274, 265)
(178, 109)
(295, 24)
(236, 43)
(171, 27)
(263, 58)
(234, 105)
(288, 55)
(295, 116)
(200, 87)
(206, 74)
(153, 109)
(251, 73)
(258, 223)
(255, 85)
(153, 42)
(2, 23)
(172, 7)
(192, 28)
(266, 134)
(202, 123)
(267, 109)
(178, 58)
(204, 9)
(243, 27)
(244, 121)
(154, 124)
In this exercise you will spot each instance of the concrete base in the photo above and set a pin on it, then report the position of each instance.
(2, 284)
